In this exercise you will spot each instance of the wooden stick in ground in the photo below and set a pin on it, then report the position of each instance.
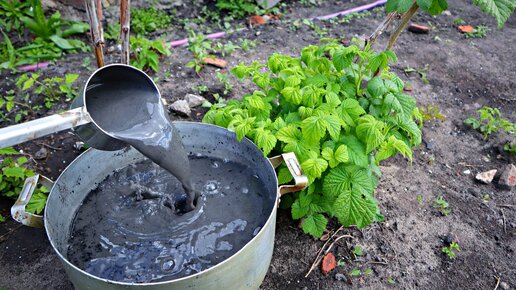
(125, 16)
(382, 27)
(404, 21)
(96, 35)
(98, 5)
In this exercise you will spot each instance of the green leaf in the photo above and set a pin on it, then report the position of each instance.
(390, 147)
(342, 58)
(28, 84)
(335, 158)
(61, 42)
(265, 140)
(376, 87)
(348, 177)
(8, 151)
(371, 132)
(292, 95)
(400, 6)
(284, 175)
(356, 150)
(314, 128)
(333, 125)
(315, 225)
(71, 78)
(411, 128)
(261, 80)
(289, 134)
(37, 203)
(433, 7)
(301, 206)
(17, 172)
(355, 207)
(314, 166)
(501, 10)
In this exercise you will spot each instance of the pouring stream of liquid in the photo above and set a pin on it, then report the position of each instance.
(147, 127)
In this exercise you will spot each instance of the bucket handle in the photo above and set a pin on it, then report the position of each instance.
(300, 179)
(18, 210)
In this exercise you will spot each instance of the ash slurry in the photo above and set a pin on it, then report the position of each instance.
(114, 105)
(127, 230)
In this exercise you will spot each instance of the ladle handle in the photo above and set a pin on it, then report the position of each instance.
(18, 210)
(300, 179)
(20, 133)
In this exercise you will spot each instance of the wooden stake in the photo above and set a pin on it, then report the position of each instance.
(96, 34)
(382, 27)
(125, 16)
(404, 21)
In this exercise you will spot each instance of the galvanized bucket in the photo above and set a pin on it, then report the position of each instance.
(246, 269)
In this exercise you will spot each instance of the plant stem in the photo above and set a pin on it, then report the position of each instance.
(404, 21)
(96, 34)
(125, 16)
(382, 27)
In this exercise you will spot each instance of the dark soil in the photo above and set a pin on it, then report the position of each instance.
(404, 251)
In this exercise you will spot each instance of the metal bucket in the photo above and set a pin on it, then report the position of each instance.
(246, 269)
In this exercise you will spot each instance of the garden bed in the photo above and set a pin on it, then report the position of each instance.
(404, 251)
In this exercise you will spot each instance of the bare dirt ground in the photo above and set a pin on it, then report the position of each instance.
(404, 251)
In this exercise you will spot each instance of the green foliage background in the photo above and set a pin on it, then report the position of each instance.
(340, 119)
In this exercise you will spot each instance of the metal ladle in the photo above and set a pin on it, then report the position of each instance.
(78, 118)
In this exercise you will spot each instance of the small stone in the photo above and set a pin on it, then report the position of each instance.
(504, 285)
(180, 107)
(486, 176)
(418, 28)
(467, 172)
(194, 100)
(447, 13)
(340, 277)
(41, 154)
(328, 263)
(508, 178)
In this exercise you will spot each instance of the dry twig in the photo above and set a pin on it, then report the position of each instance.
(382, 27)
(125, 16)
(497, 283)
(322, 251)
(96, 33)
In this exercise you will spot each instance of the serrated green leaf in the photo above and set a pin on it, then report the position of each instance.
(314, 166)
(284, 175)
(314, 128)
(433, 7)
(37, 203)
(315, 225)
(376, 87)
(411, 128)
(17, 172)
(371, 132)
(391, 147)
(265, 140)
(289, 134)
(355, 207)
(311, 96)
(346, 178)
(333, 125)
(256, 102)
(342, 58)
(292, 94)
(292, 81)
(316, 81)
(501, 10)
(356, 150)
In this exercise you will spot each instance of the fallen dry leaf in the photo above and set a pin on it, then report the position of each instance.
(215, 62)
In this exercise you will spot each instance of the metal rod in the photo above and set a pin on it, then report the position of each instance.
(27, 131)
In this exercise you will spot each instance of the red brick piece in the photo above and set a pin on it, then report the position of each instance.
(466, 28)
(328, 263)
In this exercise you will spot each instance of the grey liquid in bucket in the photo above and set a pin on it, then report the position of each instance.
(126, 230)
(245, 268)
